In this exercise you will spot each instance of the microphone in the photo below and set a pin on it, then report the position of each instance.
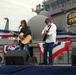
(19, 26)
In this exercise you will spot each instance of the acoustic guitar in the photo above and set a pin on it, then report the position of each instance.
(25, 40)
(45, 37)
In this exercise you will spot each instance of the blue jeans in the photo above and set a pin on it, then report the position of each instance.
(25, 47)
(48, 47)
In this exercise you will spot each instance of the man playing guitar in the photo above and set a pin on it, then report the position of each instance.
(49, 34)
(25, 32)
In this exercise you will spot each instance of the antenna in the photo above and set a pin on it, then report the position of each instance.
(7, 24)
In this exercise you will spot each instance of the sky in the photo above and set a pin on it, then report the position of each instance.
(16, 10)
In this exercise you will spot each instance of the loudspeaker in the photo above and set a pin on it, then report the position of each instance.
(73, 58)
(16, 57)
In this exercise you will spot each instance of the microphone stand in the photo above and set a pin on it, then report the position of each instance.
(16, 40)
(18, 29)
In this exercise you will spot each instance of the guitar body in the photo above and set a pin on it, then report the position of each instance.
(45, 37)
(26, 39)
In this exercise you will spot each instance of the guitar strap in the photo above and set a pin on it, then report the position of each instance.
(48, 29)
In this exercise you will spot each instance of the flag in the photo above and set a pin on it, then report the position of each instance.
(58, 48)
(7, 33)
(7, 48)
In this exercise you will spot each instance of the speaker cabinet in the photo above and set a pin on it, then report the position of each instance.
(73, 57)
(16, 57)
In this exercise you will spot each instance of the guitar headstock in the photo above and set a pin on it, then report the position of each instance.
(12, 32)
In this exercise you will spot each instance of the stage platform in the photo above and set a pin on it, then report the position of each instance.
(38, 70)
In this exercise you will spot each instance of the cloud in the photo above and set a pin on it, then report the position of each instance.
(16, 10)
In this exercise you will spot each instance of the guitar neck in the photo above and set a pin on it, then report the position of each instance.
(16, 35)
